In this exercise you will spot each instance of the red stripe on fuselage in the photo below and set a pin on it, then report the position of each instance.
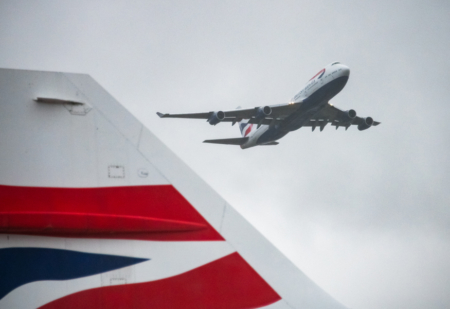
(321, 71)
(229, 282)
(139, 212)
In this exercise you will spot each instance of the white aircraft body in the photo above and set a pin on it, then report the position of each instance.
(309, 108)
(96, 212)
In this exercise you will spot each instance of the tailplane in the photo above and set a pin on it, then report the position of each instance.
(270, 144)
(228, 141)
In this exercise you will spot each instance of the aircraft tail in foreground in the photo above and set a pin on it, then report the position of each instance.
(96, 212)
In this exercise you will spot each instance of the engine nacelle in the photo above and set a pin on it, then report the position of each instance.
(263, 112)
(216, 117)
(367, 124)
(350, 114)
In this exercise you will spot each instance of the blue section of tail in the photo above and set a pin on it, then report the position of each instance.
(19, 266)
(242, 124)
(242, 127)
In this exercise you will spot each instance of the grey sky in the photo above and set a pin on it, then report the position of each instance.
(364, 214)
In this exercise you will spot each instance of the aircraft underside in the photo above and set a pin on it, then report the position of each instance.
(264, 125)
(309, 107)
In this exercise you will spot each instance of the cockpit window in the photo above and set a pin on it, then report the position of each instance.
(335, 63)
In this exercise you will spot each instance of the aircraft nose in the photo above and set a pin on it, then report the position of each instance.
(345, 70)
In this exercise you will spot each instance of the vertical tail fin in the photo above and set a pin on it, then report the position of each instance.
(244, 126)
(126, 224)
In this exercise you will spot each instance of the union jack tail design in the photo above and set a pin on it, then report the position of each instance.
(96, 212)
(245, 127)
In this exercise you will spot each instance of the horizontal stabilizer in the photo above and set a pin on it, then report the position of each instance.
(228, 141)
(270, 144)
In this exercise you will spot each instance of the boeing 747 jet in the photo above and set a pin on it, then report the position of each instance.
(264, 125)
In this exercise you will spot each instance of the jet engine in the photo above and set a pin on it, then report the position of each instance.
(367, 124)
(216, 117)
(350, 114)
(263, 112)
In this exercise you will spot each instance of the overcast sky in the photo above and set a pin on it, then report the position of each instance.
(364, 214)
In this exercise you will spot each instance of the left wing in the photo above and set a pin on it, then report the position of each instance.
(257, 115)
(339, 118)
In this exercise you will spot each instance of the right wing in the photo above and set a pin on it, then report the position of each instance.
(339, 118)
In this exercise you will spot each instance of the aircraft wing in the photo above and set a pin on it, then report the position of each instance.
(339, 118)
(259, 115)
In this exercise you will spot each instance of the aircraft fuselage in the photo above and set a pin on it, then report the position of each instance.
(311, 99)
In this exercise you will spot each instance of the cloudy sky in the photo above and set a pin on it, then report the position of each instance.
(364, 214)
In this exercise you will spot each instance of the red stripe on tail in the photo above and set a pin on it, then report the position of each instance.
(248, 130)
(229, 282)
(138, 212)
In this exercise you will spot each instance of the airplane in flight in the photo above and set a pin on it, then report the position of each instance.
(264, 125)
